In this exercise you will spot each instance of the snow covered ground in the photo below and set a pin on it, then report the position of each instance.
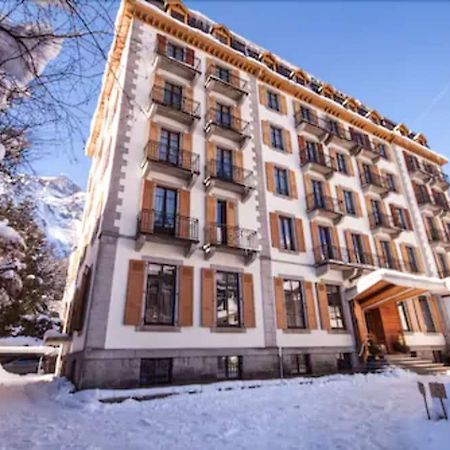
(338, 412)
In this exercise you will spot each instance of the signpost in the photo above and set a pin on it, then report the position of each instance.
(437, 390)
(424, 395)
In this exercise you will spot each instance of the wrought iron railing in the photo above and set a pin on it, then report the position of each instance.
(155, 222)
(442, 202)
(423, 198)
(227, 121)
(381, 220)
(330, 253)
(325, 203)
(167, 97)
(227, 77)
(162, 153)
(390, 262)
(231, 236)
(180, 55)
(362, 141)
(228, 172)
(435, 235)
(373, 179)
(314, 156)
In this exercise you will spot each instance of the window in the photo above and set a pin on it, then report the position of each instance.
(223, 115)
(224, 167)
(442, 257)
(386, 254)
(173, 95)
(404, 317)
(229, 367)
(281, 181)
(333, 127)
(358, 248)
(223, 74)
(367, 173)
(175, 51)
(160, 295)
(221, 222)
(326, 243)
(276, 136)
(312, 152)
(317, 192)
(165, 210)
(227, 294)
(359, 138)
(376, 212)
(412, 261)
(169, 146)
(341, 163)
(287, 240)
(335, 307)
(300, 364)
(401, 217)
(344, 361)
(306, 114)
(349, 203)
(155, 371)
(273, 101)
(426, 313)
(391, 182)
(295, 311)
(382, 150)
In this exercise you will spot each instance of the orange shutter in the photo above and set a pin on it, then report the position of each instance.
(323, 306)
(292, 185)
(418, 260)
(300, 235)
(231, 223)
(340, 198)
(334, 237)
(249, 301)
(349, 245)
(310, 307)
(270, 177)
(188, 101)
(357, 204)
(208, 286)
(146, 223)
(186, 302)
(184, 211)
(394, 215)
(236, 111)
(154, 128)
(419, 315)
(301, 149)
(412, 315)
(405, 259)
(210, 209)
(287, 141)
(367, 249)
(435, 313)
(209, 66)
(315, 241)
(210, 158)
(279, 303)
(186, 157)
(308, 189)
(161, 43)
(274, 230)
(239, 163)
(135, 292)
(349, 164)
(262, 95)
(283, 104)
(265, 126)
(408, 219)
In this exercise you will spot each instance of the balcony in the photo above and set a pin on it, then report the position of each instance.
(308, 122)
(226, 176)
(426, 204)
(441, 201)
(373, 183)
(226, 126)
(440, 181)
(437, 238)
(336, 134)
(159, 157)
(444, 272)
(167, 103)
(382, 224)
(388, 262)
(157, 226)
(179, 61)
(314, 162)
(225, 83)
(324, 207)
(416, 172)
(364, 148)
(230, 239)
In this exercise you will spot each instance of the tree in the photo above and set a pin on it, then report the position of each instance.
(31, 307)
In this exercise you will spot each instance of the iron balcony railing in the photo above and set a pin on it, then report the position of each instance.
(371, 178)
(228, 172)
(389, 262)
(414, 166)
(162, 153)
(329, 204)
(308, 155)
(169, 98)
(381, 220)
(324, 254)
(435, 235)
(178, 54)
(155, 222)
(423, 198)
(362, 141)
(227, 77)
(306, 116)
(231, 236)
(442, 202)
(228, 121)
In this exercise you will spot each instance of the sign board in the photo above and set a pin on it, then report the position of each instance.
(437, 390)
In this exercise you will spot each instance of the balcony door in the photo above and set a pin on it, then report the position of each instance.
(358, 249)
(223, 115)
(165, 210)
(376, 211)
(224, 164)
(317, 190)
(169, 147)
(326, 242)
(388, 262)
(367, 173)
(221, 222)
(311, 151)
(173, 95)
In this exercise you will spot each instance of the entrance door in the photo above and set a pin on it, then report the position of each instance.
(375, 325)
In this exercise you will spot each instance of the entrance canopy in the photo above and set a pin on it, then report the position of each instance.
(382, 286)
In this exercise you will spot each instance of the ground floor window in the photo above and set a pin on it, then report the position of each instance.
(404, 317)
(335, 307)
(227, 294)
(229, 367)
(344, 361)
(300, 364)
(427, 316)
(155, 371)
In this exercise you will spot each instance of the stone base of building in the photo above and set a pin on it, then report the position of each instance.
(119, 369)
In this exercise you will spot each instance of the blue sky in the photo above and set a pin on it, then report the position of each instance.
(393, 56)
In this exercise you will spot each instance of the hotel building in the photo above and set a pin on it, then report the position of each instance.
(244, 219)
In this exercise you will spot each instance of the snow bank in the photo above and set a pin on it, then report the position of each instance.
(14, 341)
(9, 234)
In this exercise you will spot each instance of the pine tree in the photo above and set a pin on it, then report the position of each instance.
(31, 310)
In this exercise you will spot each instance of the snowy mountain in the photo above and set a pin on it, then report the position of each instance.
(59, 202)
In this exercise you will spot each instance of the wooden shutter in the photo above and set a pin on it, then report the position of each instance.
(419, 315)
(161, 43)
(283, 104)
(310, 307)
(262, 95)
(408, 218)
(270, 177)
(146, 222)
(186, 157)
(321, 153)
(83, 298)
(265, 127)
(412, 315)
(135, 292)
(367, 249)
(210, 158)
(231, 223)
(208, 297)
(301, 148)
(394, 251)
(308, 189)
(405, 259)
(340, 198)
(236, 111)
(239, 162)
(292, 184)
(335, 239)
(186, 297)
(287, 141)
(368, 207)
(358, 207)
(210, 209)
(349, 245)
(154, 129)
(279, 303)
(394, 215)
(323, 306)
(274, 230)
(249, 300)
(190, 56)
(189, 94)
(209, 66)
(300, 235)
(349, 164)
(418, 260)
(434, 307)
(315, 240)
(184, 212)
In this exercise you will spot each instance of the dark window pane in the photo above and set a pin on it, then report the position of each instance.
(426, 313)
(335, 307)
(155, 371)
(229, 367)
(300, 364)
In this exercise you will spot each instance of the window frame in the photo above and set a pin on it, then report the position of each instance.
(225, 370)
(273, 101)
(335, 308)
(238, 290)
(349, 195)
(428, 319)
(341, 163)
(280, 175)
(298, 320)
(286, 223)
(277, 138)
